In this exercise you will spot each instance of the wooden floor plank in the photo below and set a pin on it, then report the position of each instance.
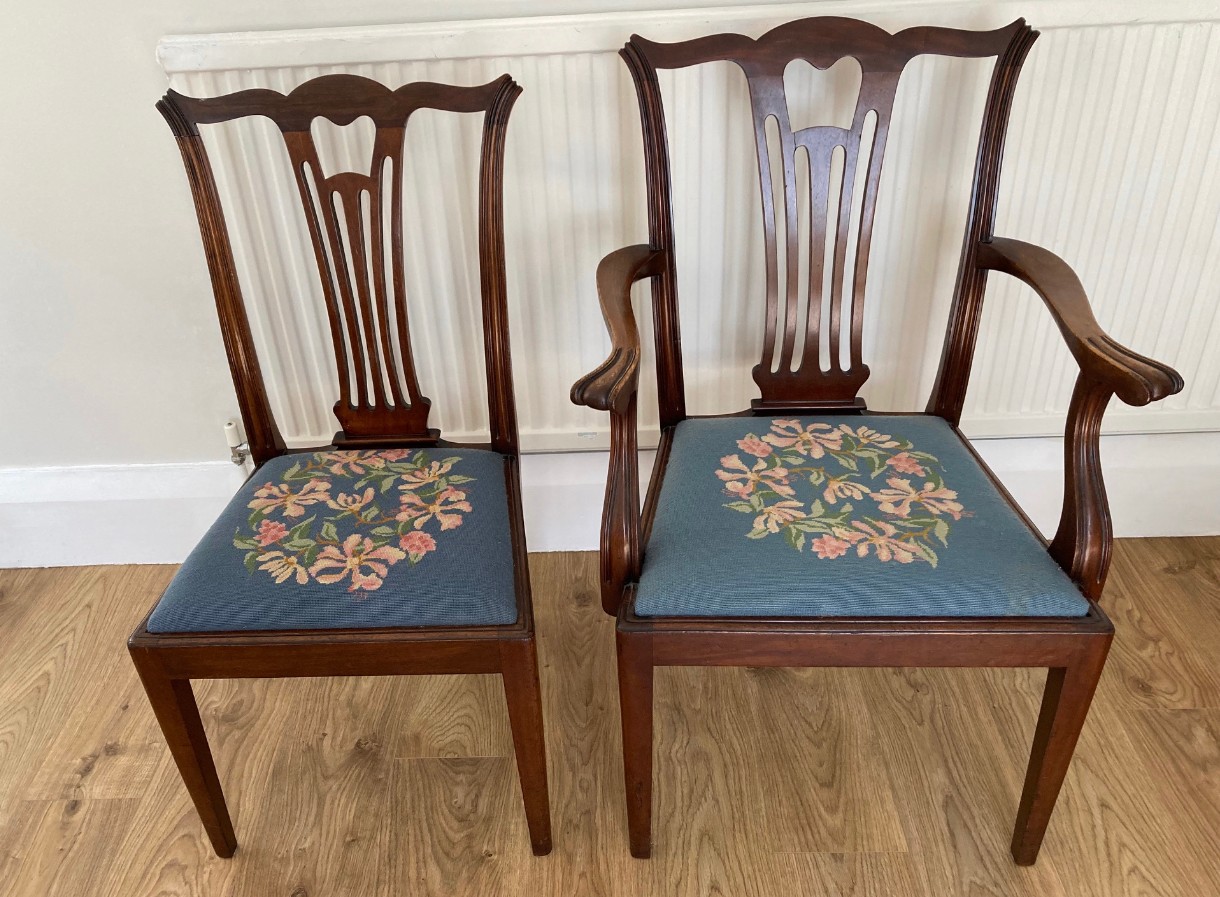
(837, 782)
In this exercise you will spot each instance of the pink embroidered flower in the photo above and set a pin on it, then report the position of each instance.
(357, 553)
(273, 495)
(283, 566)
(901, 495)
(416, 544)
(754, 446)
(443, 507)
(843, 487)
(904, 463)
(351, 504)
(416, 479)
(356, 463)
(811, 441)
(393, 454)
(270, 532)
(775, 517)
(741, 481)
(865, 436)
(829, 547)
(882, 539)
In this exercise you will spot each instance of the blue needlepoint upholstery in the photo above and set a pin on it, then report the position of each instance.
(837, 516)
(353, 539)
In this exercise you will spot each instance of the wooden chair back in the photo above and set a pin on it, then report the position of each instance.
(824, 369)
(355, 223)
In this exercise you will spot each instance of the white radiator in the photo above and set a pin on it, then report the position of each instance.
(1110, 162)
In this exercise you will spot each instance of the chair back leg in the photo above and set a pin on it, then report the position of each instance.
(519, 662)
(1065, 704)
(173, 702)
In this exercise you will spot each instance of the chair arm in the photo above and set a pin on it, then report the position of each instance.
(1132, 377)
(609, 386)
(612, 386)
(1083, 541)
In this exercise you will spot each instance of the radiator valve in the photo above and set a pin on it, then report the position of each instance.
(239, 449)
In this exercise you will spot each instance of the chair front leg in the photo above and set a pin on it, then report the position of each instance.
(1065, 704)
(519, 665)
(635, 707)
(173, 702)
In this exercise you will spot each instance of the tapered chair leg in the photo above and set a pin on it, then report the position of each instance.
(635, 707)
(1065, 704)
(519, 662)
(173, 702)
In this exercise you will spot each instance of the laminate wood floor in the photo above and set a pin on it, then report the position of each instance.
(768, 782)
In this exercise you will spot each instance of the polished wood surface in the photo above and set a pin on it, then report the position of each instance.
(772, 781)
(367, 310)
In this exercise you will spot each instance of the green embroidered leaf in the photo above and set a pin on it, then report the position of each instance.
(756, 502)
(816, 509)
(292, 471)
(879, 463)
(256, 517)
(925, 552)
(461, 479)
(817, 477)
(329, 532)
(795, 538)
(384, 531)
(923, 456)
(300, 544)
(301, 530)
(812, 526)
(941, 529)
(743, 506)
(251, 561)
(756, 534)
(311, 555)
(247, 543)
(386, 484)
(846, 460)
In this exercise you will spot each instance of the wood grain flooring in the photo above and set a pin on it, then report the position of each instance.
(768, 782)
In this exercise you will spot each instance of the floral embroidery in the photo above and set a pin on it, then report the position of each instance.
(381, 500)
(898, 519)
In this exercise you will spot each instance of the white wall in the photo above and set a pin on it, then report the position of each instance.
(113, 378)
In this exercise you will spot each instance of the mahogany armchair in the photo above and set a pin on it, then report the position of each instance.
(390, 551)
(808, 531)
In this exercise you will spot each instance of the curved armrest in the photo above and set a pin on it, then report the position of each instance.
(609, 386)
(1132, 377)
(1083, 541)
(612, 386)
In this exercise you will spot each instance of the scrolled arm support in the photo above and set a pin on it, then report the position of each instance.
(1083, 540)
(608, 386)
(612, 386)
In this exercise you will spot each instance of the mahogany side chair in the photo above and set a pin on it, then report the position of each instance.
(808, 531)
(390, 551)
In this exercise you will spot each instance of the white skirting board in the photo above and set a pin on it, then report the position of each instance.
(1166, 484)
